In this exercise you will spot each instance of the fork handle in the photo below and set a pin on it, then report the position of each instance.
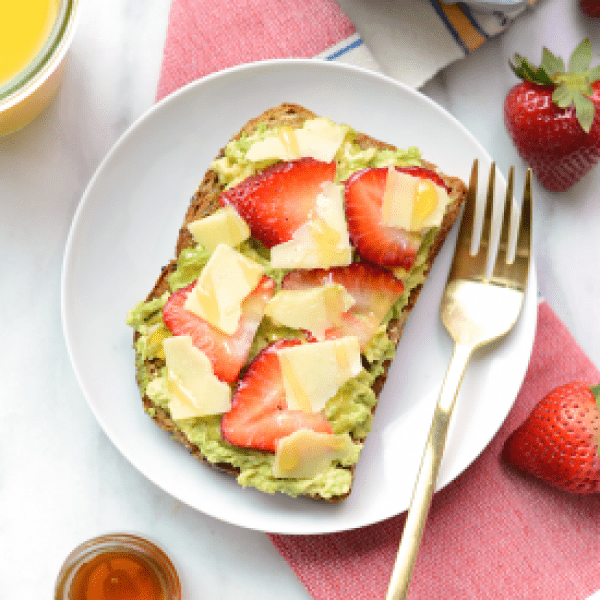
(426, 479)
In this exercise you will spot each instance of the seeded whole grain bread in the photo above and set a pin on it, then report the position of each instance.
(205, 201)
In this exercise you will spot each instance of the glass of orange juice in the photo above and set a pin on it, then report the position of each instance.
(34, 38)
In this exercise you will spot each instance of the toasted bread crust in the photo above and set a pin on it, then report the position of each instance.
(205, 201)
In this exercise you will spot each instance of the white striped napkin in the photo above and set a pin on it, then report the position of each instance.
(411, 40)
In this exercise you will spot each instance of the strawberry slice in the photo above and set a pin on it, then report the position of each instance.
(373, 288)
(259, 416)
(276, 201)
(227, 353)
(382, 245)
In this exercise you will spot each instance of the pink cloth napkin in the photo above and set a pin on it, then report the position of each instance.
(492, 533)
(209, 35)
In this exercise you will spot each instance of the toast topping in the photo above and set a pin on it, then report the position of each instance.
(313, 373)
(373, 289)
(193, 388)
(313, 309)
(412, 203)
(383, 209)
(224, 283)
(323, 240)
(277, 201)
(305, 454)
(227, 353)
(259, 415)
(224, 226)
(317, 138)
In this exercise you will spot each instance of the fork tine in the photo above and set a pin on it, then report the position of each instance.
(465, 233)
(524, 236)
(462, 252)
(468, 261)
(504, 254)
(512, 260)
(509, 217)
(486, 226)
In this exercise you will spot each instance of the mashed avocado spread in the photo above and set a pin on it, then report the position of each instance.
(349, 411)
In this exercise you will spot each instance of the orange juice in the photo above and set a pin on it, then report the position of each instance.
(25, 25)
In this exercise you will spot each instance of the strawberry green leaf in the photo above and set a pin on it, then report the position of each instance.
(581, 57)
(563, 96)
(552, 64)
(525, 70)
(594, 74)
(584, 109)
(521, 68)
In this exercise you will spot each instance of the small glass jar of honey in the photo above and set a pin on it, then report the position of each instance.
(34, 38)
(117, 567)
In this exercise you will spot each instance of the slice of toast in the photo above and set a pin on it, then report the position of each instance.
(151, 364)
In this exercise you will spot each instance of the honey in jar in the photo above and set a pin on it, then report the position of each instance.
(116, 576)
(118, 567)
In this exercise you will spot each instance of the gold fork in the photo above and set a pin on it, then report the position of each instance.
(476, 309)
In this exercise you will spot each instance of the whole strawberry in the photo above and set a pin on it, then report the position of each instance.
(559, 440)
(590, 8)
(552, 119)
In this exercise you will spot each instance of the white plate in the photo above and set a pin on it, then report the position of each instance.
(125, 229)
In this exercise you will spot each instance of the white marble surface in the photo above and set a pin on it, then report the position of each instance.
(61, 479)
